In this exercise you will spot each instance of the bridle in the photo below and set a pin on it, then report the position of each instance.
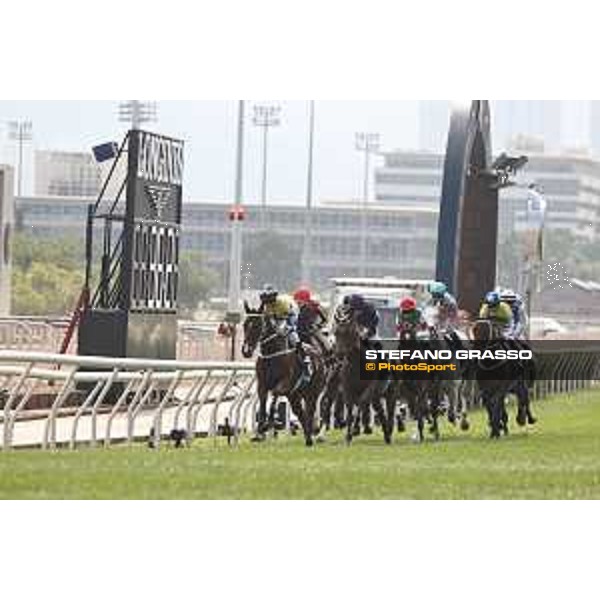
(263, 341)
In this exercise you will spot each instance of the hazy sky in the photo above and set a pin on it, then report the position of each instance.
(208, 128)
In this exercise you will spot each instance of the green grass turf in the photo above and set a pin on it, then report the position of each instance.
(558, 458)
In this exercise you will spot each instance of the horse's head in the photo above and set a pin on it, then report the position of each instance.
(345, 331)
(483, 330)
(253, 326)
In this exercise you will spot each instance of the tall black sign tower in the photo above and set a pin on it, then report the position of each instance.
(133, 310)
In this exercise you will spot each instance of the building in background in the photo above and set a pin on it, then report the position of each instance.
(410, 179)
(434, 124)
(542, 119)
(71, 174)
(594, 127)
(6, 228)
(571, 184)
(401, 239)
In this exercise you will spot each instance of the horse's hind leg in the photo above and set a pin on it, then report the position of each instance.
(383, 419)
(450, 390)
(306, 415)
(524, 397)
(350, 422)
(366, 419)
(504, 416)
(390, 410)
(464, 405)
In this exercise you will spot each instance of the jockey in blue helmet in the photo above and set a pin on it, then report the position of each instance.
(517, 306)
(446, 305)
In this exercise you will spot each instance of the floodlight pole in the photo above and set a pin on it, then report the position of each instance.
(369, 144)
(265, 116)
(21, 132)
(307, 244)
(235, 256)
(235, 253)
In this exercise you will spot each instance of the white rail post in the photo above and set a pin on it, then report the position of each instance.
(212, 432)
(151, 389)
(157, 422)
(113, 413)
(50, 430)
(82, 408)
(245, 396)
(202, 399)
(13, 395)
(187, 399)
(190, 413)
(13, 418)
(98, 403)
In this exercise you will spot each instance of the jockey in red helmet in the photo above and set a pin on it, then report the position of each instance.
(311, 317)
(410, 319)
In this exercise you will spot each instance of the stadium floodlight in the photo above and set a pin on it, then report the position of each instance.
(137, 112)
(369, 144)
(20, 132)
(266, 116)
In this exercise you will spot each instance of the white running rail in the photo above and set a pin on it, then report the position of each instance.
(50, 400)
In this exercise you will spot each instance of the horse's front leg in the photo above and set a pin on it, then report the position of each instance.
(449, 389)
(261, 417)
(310, 411)
(350, 419)
(272, 419)
(463, 404)
(303, 416)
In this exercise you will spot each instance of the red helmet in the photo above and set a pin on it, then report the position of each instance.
(302, 295)
(408, 304)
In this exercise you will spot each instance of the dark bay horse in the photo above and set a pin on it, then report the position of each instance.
(357, 393)
(279, 372)
(498, 379)
(424, 395)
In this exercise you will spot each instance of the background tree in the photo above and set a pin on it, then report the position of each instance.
(196, 282)
(273, 260)
(48, 276)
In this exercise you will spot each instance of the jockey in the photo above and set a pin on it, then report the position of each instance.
(498, 312)
(410, 319)
(311, 318)
(282, 309)
(365, 315)
(517, 306)
(446, 305)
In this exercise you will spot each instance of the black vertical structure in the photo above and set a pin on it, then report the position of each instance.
(468, 225)
(133, 310)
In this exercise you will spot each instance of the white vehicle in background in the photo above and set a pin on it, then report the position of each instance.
(542, 327)
(385, 293)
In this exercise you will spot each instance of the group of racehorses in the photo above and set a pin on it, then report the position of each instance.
(337, 394)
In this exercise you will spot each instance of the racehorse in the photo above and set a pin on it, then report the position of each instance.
(497, 379)
(424, 395)
(356, 392)
(453, 384)
(279, 372)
